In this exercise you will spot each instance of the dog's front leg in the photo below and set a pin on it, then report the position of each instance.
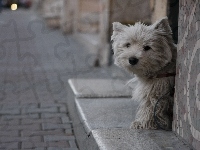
(163, 112)
(144, 116)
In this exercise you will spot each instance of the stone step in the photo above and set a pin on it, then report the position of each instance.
(103, 113)
(126, 139)
(99, 88)
(102, 123)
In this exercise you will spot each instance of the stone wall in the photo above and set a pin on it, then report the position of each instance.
(187, 103)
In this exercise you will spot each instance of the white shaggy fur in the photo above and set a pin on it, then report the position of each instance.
(153, 53)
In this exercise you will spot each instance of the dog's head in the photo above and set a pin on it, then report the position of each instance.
(142, 49)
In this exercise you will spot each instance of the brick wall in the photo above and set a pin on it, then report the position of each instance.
(187, 103)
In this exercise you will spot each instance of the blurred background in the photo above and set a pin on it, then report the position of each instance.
(20, 3)
(43, 43)
(90, 21)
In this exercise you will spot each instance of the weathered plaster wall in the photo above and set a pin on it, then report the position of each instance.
(187, 103)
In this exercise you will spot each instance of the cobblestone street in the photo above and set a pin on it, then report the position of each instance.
(36, 63)
(32, 87)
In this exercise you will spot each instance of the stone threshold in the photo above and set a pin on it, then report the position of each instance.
(102, 111)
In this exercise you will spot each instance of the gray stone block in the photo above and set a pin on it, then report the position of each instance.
(9, 117)
(106, 112)
(53, 126)
(101, 121)
(58, 138)
(14, 111)
(11, 145)
(40, 110)
(72, 144)
(95, 88)
(127, 139)
(57, 148)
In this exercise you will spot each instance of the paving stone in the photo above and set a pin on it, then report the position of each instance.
(10, 145)
(65, 119)
(9, 111)
(44, 104)
(9, 106)
(33, 145)
(44, 120)
(7, 117)
(51, 115)
(21, 139)
(28, 133)
(39, 148)
(27, 144)
(6, 121)
(57, 148)
(72, 144)
(61, 144)
(29, 105)
(32, 127)
(40, 110)
(58, 138)
(51, 126)
(8, 133)
(69, 131)
(19, 106)
(63, 109)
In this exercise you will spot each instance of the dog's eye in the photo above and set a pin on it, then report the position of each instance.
(146, 48)
(128, 45)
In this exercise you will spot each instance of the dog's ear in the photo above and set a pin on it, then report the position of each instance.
(163, 25)
(117, 28)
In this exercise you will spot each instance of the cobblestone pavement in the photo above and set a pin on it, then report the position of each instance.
(35, 65)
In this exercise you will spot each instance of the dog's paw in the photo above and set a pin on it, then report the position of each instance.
(136, 125)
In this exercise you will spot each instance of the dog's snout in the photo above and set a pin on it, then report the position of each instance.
(133, 60)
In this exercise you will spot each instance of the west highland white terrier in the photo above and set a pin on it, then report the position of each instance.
(150, 54)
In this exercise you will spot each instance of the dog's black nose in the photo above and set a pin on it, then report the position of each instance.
(133, 60)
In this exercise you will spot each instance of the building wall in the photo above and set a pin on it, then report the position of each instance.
(158, 9)
(187, 96)
(69, 16)
(88, 16)
(129, 12)
(51, 12)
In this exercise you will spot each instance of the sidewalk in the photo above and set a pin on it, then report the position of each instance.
(36, 63)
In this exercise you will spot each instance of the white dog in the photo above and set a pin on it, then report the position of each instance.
(150, 54)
